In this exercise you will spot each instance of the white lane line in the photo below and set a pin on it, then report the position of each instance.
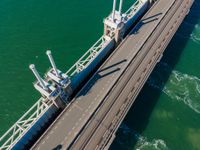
(96, 96)
(51, 132)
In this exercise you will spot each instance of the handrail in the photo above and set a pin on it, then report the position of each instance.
(87, 57)
(24, 124)
(21, 127)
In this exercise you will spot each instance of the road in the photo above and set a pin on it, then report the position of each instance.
(107, 120)
(75, 118)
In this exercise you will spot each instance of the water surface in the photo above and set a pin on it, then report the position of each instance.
(166, 114)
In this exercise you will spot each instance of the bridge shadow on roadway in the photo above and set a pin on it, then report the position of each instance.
(101, 74)
(138, 116)
(113, 68)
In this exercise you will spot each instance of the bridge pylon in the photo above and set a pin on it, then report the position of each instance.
(48, 91)
(60, 79)
(114, 24)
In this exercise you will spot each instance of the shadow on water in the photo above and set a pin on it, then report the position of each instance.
(138, 116)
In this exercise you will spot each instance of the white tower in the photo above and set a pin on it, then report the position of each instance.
(120, 7)
(40, 80)
(114, 23)
(113, 11)
(59, 78)
(48, 52)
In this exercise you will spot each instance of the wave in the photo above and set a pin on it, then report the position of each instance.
(156, 144)
(142, 142)
(195, 38)
(180, 87)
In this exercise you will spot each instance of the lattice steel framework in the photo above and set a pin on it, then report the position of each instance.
(21, 127)
(10, 138)
(88, 57)
(131, 11)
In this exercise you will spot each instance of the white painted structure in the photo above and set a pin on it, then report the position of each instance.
(56, 75)
(115, 26)
(42, 83)
(53, 63)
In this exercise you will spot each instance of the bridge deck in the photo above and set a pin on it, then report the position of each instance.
(72, 120)
(107, 119)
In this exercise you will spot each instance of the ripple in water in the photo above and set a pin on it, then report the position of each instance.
(158, 144)
(143, 143)
(180, 86)
(195, 36)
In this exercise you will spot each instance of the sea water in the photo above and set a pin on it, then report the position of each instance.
(166, 114)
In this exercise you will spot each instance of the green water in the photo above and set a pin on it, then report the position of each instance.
(166, 114)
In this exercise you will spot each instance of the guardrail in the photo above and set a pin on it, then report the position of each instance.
(24, 124)
(21, 127)
(133, 8)
(87, 58)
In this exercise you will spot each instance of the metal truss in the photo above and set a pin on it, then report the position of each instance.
(131, 11)
(88, 57)
(20, 128)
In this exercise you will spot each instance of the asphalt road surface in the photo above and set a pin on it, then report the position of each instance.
(103, 125)
(76, 123)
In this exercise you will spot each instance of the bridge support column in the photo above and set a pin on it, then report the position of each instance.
(60, 79)
(49, 92)
(114, 24)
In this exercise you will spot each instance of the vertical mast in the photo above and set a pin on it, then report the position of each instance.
(40, 80)
(113, 11)
(52, 62)
(120, 7)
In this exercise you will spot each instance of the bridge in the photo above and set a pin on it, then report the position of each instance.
(83, 108)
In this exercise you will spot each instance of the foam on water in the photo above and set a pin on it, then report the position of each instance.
(195, 38)
(180, 86)
(143, 143)
(155, 144)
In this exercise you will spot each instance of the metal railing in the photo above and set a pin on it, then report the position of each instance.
(131, 11)
(24, 124)
(87, 58)
(21, 127)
